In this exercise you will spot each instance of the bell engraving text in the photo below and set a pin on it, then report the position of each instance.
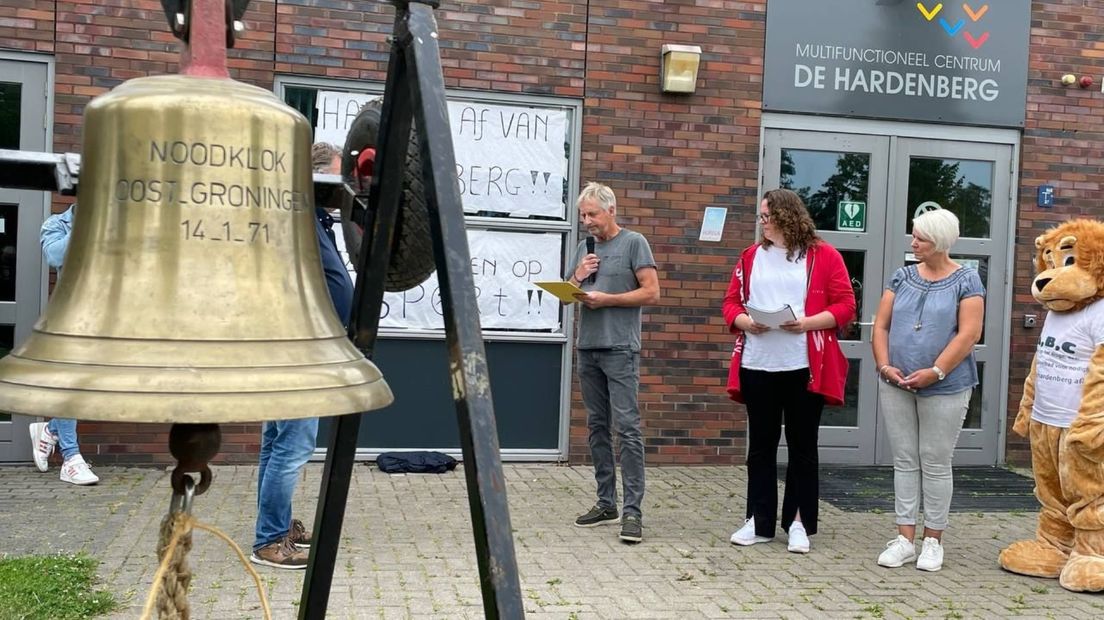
(208, 193)
(218, 155)
(251, 232)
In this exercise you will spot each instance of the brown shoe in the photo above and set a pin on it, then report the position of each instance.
(281, 554)
(299, 536)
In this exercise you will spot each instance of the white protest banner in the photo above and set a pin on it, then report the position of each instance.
(510, 159)
(504, 266)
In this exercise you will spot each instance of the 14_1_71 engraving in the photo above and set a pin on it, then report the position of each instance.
(254, 232)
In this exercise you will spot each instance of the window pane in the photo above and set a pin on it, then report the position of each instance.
(10, 94)
(961, 186)
(855, 261)
(846, 414)
(823, 179)
(9, 225)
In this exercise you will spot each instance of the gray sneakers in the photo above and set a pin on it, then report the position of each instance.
(598, 516)
(632, 531)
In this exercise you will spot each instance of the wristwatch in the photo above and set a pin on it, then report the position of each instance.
(939, 374)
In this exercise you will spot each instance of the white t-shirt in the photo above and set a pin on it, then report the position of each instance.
(1066, 344)
(776, 282)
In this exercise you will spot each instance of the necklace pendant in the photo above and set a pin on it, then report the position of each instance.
(918, 326)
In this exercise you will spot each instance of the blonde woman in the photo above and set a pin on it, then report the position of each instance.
(928, 321)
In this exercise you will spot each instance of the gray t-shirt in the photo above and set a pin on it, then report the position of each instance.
(925, 320)
(619, 258)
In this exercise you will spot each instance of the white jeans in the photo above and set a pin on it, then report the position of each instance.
(922, 431)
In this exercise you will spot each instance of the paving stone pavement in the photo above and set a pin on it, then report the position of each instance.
(407, 552)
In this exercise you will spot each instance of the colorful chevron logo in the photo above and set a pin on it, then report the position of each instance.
(952, 29)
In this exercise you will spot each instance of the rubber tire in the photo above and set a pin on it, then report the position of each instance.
(412, 252)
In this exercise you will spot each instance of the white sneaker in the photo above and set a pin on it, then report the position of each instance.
(931, 557)
(899, 551)
(746, 535)
(799, 540)
(42, 445)
(76, 471)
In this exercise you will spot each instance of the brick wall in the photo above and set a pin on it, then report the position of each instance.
(667, 157)
(1063, 145)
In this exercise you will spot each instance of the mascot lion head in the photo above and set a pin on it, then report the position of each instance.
(1069, 261)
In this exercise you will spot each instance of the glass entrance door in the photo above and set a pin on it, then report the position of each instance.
(863, 191)
(23, 110)
(972, 181)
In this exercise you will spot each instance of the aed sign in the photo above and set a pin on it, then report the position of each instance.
(851, 216)
(925, 61)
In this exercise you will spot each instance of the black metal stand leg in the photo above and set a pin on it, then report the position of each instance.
(329, 515)
(471, 386)
(415, 85)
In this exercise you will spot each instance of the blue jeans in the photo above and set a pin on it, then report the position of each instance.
(66, 431)
(609, 381)
(286, 445)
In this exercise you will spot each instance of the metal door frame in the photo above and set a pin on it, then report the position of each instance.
(36, 134)
(998, 319)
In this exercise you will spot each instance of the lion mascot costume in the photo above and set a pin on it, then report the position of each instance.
(1062, 412)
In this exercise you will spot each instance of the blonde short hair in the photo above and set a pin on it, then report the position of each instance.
(939, 226)
(599, 193)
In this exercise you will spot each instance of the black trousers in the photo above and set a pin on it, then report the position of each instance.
(772, 397)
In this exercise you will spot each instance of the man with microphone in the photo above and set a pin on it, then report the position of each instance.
(615, 268)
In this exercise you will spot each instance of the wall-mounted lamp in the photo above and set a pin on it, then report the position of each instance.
(679, 68)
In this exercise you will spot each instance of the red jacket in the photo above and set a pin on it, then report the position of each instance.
(829, 289)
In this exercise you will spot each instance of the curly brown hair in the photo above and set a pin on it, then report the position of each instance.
(789, 215)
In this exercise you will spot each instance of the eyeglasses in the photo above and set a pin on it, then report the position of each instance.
(764, 218)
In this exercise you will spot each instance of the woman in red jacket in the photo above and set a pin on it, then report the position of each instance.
(789, 371)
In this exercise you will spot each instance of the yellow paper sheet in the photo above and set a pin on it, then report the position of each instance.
(564, 291)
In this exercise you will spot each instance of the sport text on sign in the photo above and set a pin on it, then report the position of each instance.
(504, 266)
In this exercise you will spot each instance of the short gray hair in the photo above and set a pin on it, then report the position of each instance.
(940, 226)
(599, 193)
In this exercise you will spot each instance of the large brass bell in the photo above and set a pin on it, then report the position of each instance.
(192, 289)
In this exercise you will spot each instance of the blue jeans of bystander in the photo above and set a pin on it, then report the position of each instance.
(286, 445)
(66, 432)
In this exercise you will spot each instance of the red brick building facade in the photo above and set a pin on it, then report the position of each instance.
(666, 156)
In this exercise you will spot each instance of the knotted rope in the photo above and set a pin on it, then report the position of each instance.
(169, 591)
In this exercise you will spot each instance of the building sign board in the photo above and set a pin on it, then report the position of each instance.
(923, 61)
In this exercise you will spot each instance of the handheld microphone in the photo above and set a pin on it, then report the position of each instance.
(590, 250)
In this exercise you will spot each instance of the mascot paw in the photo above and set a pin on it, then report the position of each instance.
(1033, 558)
(1083, 573)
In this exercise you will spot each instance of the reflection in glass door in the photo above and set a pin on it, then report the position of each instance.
(863, 191)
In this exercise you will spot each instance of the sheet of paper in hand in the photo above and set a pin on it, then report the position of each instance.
(771, 318)
(565, 291)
